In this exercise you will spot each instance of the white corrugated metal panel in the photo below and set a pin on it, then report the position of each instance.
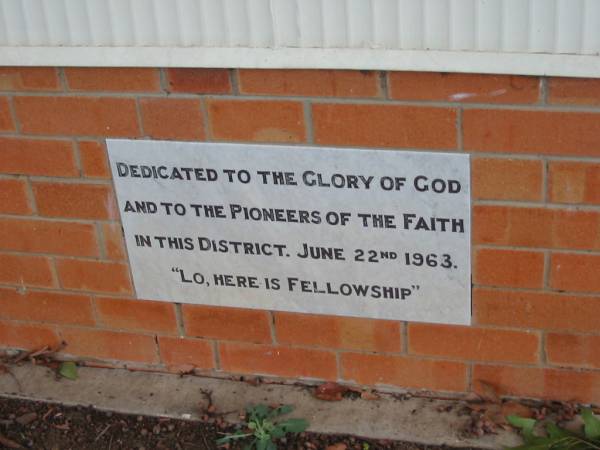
(551, 27)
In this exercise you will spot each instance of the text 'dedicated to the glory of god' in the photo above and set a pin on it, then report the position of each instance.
(364, 233)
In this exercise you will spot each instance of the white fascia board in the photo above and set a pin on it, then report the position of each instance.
(306, 58)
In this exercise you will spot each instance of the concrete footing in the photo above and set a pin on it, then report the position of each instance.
(414, 419)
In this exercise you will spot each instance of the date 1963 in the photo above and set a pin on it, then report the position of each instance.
(416, 259)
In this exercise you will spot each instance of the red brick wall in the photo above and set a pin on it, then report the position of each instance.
(535, 146)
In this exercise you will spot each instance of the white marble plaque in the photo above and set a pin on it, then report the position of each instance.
(353, 232)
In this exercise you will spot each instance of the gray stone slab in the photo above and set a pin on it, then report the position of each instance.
(157, 394)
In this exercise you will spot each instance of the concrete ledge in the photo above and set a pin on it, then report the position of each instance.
(156, 394)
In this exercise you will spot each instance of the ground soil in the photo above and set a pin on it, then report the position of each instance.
(46, 426)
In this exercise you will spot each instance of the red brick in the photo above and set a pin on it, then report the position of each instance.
(545, 132)
(515, 268)
(13, 197)
(168, 118)
(104, 344)
(576, 91)
(49, 307)
(507, 179)
(501, 225)
(94, 276)
(463, 87)
(541, 383)
(177, 351)
(227, 323)
(37, 157)
(6, 121)
(26, 270)
(384, 126)
(114, 246)
(84, 116)
(257, 120)
(82, 201)
(471, 343)
(338, 332)
(573, 350)
(28, 79)
(121, 79)
(277, 360)
(94, 161)
(137, 315)
(574, 182)
(407, 372)
(309, 82)
(43, 236)
(536, 227)
(27, 337)
(576, 229)
(575, 272)
(540, 310)
(199, 81)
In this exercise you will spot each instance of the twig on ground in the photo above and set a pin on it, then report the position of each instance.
(7, 370)
(102, 432)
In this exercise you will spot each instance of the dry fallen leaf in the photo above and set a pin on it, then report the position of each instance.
(481, 423)
(494, 414)
(338, 446)
(444, 408)
(330, 391)
(182, 369)
(517, 409)
(487, 417)
(253, 381)
(26, 418)
(356, 390)
(478, 407)
(368, 395)
(9, 443)
(487, 392)
(472, 397)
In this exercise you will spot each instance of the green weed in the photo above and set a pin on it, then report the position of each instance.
(558, 438)
(262, 428)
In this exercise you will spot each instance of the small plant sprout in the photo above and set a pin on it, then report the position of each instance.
(262, 428)
(68, 369)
